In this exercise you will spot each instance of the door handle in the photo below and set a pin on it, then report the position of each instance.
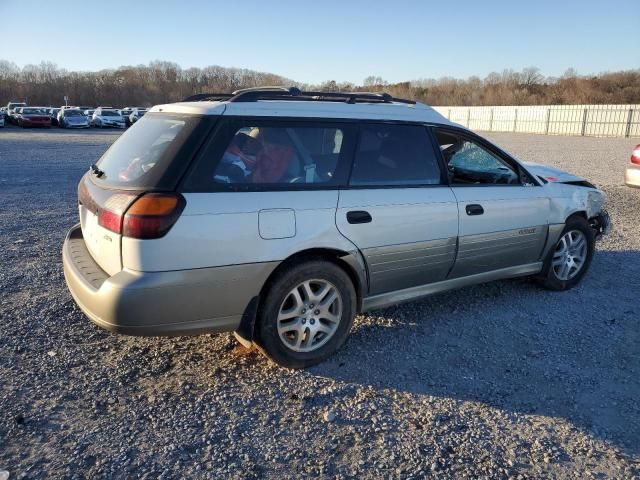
(358, 216)
(474, 209)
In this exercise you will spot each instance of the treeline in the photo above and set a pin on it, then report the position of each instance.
(528, 87)
(162, 82)
(142, 85)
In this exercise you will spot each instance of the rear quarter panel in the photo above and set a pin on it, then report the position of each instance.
(228, 228)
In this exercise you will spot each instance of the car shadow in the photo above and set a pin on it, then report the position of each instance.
(516, 347)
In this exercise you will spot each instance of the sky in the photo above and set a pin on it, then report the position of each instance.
(314, 41)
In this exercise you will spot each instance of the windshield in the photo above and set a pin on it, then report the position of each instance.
(110, 113)
(144, 152)
(16, 105)
(72, 113)
(33, 111)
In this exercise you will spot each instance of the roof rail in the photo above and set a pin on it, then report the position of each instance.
(201, 97)
(293, 93)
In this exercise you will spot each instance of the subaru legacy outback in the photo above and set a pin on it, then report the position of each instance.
(280, 214)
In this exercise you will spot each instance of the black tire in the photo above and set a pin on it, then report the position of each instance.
(548, 278)
(267, 338)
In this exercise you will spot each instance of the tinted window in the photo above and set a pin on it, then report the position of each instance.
(145, 151)
(264, 154)
(470, 163)
(395, 155)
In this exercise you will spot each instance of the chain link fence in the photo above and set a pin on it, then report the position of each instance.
(584, 120)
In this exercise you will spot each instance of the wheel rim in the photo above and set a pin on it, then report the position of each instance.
(309, 315)
(570, 255)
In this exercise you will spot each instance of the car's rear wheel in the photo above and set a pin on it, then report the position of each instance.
(571, 256)
(306, 314)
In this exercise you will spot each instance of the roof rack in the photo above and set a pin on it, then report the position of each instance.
(294, 93)
(201, 97)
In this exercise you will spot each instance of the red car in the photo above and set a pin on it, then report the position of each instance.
(33, 117)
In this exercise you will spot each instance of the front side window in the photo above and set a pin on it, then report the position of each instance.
(389, 155)
(470, 163)
(280, 155)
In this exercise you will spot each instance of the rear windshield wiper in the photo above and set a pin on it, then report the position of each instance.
(96, 171)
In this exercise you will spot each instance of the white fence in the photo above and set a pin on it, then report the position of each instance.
(585, 120)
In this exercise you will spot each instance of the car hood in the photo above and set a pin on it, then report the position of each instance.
(110, 118)
(551, 174)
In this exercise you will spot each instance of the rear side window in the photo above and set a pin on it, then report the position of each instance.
(395, 155)
(260, 154)
(144, 154)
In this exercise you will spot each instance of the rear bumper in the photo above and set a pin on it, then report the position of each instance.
(179, 302)
(632, 176)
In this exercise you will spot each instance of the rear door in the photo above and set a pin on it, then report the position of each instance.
(397, 208)
(503, 213)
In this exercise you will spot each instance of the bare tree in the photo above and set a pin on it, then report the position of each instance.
(161, 82)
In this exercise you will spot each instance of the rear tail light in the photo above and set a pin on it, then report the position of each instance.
(146, 216)
(635, 155)
(152, 215)
(111, 213)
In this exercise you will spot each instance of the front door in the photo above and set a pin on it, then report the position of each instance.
(503, 213)
(398, 210)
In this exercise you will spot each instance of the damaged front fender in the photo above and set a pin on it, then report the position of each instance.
(567, 200)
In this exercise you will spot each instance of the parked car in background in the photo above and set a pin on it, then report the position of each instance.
(632, 173)
(11, 107)
(1, 119)
(304, 208)
(33, 117)
(72, 118)
(89, 114)
(53, 114)
(125, 112)
(136, 115)
(107, 117)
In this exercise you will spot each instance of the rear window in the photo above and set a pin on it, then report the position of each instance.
(149, 154)
(262, 154)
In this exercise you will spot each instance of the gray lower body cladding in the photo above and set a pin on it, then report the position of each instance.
(395, 267)
(161, 303)
(493, 251)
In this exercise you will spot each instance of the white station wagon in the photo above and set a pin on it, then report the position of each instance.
(280, 214)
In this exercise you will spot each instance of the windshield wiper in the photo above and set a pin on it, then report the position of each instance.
(96, 171)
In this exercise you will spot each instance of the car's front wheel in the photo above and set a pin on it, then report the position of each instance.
(571, 256)
(306, 314)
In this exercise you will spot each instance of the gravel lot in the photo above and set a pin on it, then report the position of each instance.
(503, 380)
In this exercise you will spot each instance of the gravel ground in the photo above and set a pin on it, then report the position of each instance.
(503, 380)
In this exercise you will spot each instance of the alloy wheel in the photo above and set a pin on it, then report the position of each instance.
(570, 255)
(309, 315)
